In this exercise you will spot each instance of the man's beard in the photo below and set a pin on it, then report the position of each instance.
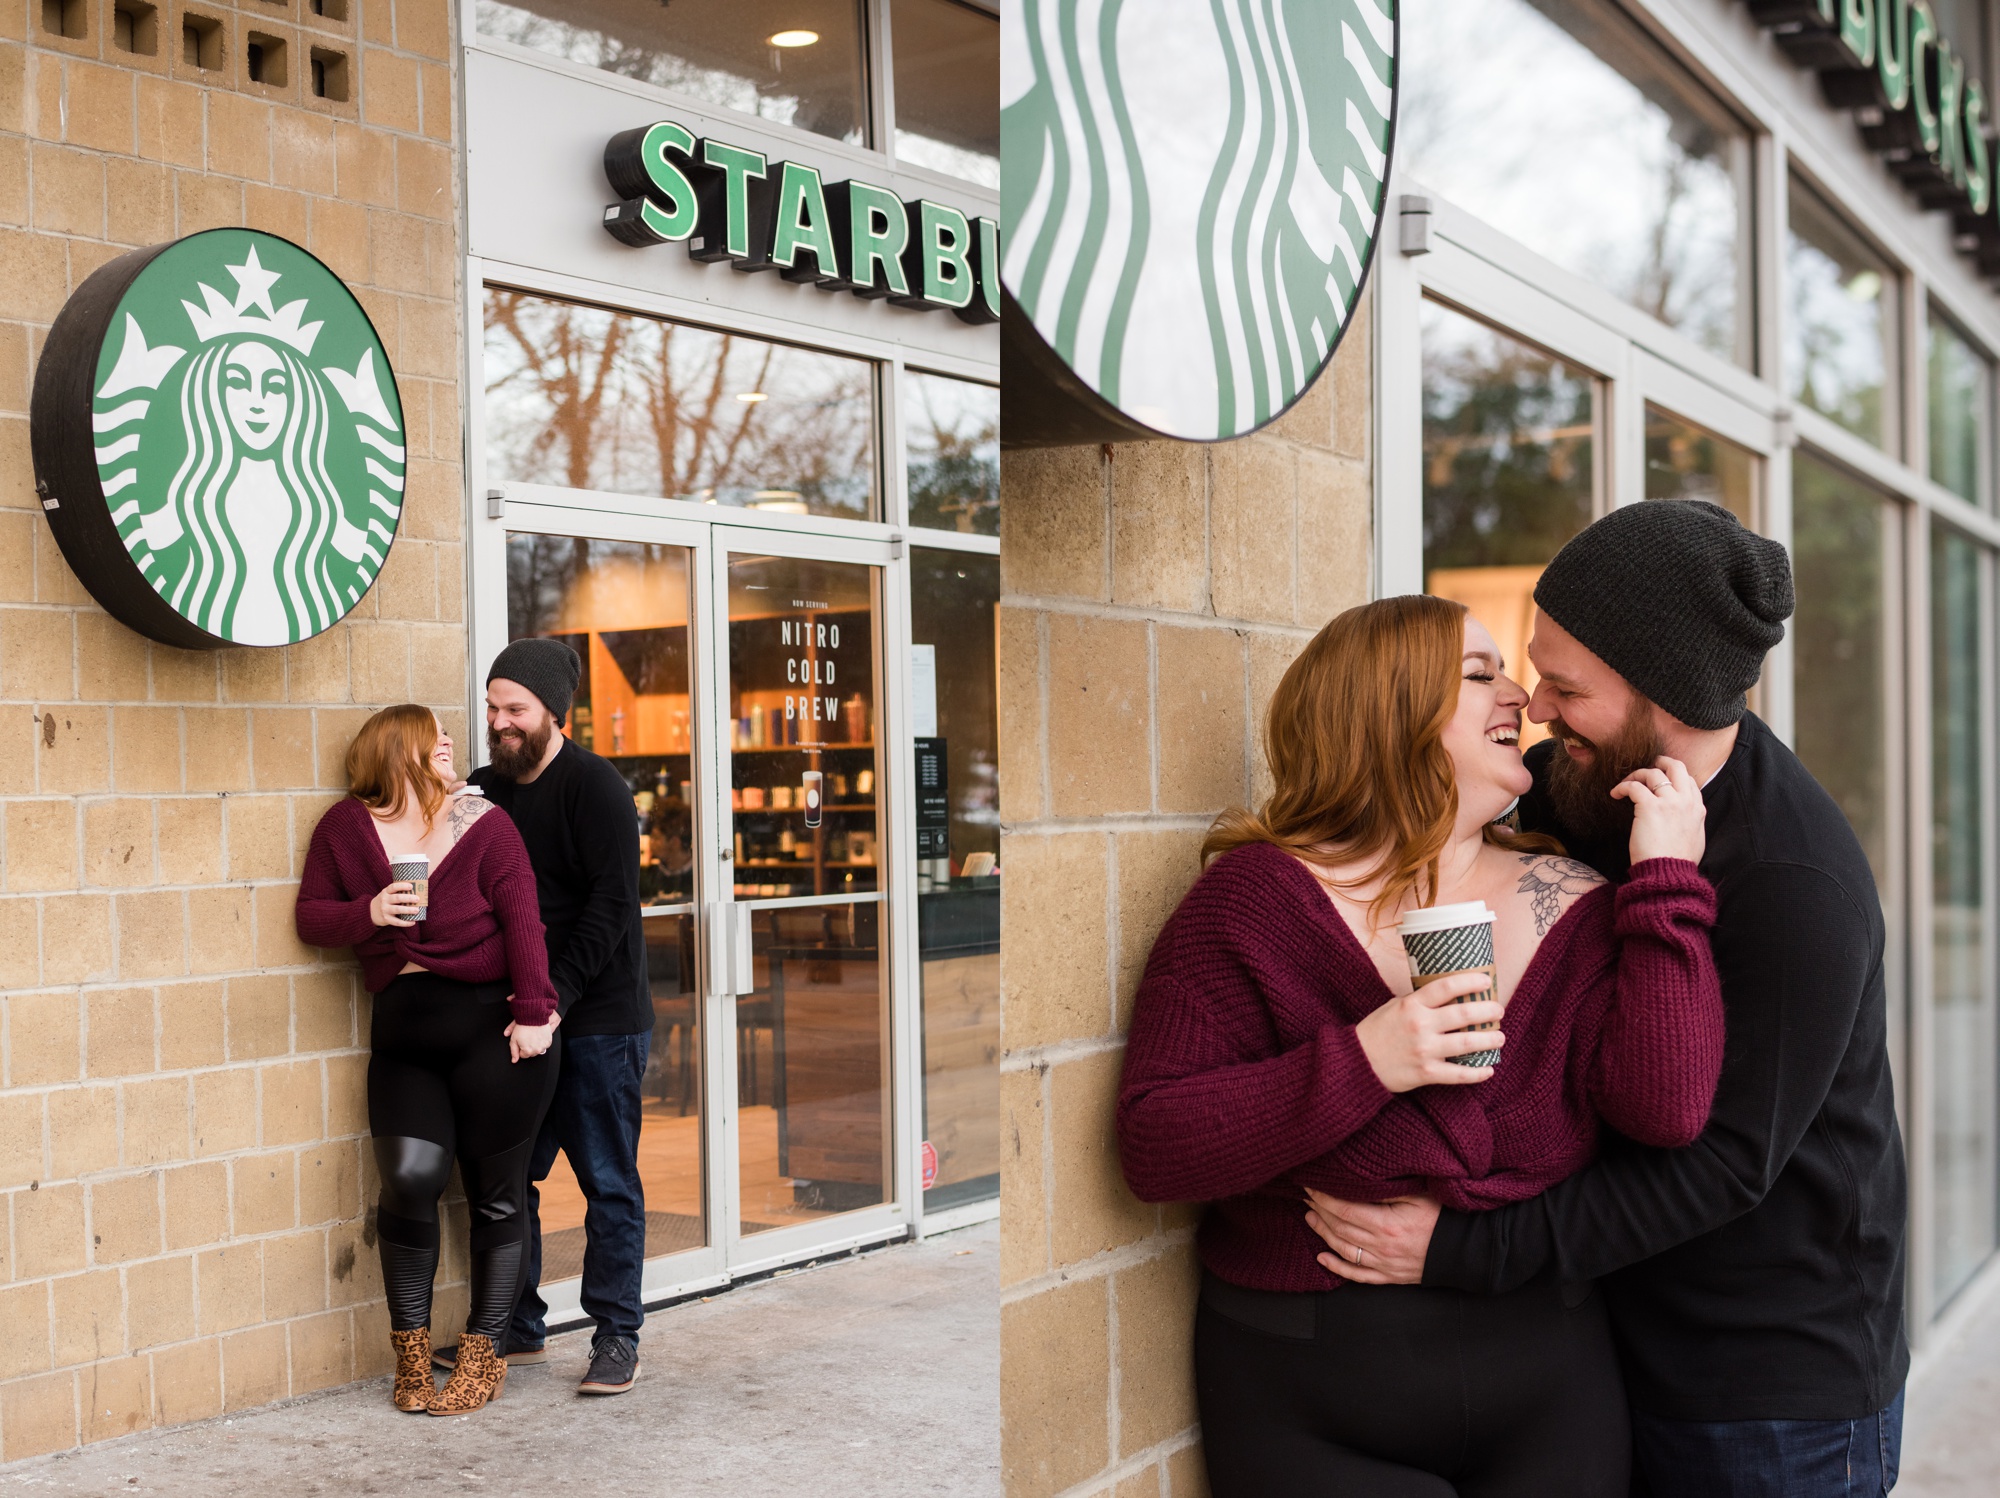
(514, 758)
(1580, 793)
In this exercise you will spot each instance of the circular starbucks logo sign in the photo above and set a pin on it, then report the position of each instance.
(1190, 196)
(218, 441)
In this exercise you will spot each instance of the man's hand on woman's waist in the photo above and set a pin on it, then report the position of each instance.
(1374, 1243)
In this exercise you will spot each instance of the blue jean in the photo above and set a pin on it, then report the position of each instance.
(594, 1121)
(1768, 1458)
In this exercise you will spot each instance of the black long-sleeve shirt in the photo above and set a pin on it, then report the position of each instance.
(583, 839)
(1758, 1274)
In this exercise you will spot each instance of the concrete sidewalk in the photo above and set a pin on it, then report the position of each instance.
(876, 1376)
(1951, 1431)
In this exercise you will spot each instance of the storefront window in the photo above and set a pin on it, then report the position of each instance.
(1683, 461)
(1961, 411)
(587, 398)
(951, 444)
(947, 69)
(798, 63)
(1841, 330)
(1963, 1045)
(1510, 441)
(1843, 563)
(954, 599)
(623, 608)
(1615, 163)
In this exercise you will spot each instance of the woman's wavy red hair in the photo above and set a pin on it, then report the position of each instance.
(1354, 737)
(390, 760)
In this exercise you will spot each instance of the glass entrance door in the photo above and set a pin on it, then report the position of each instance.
(627, 607)
(800, 718)
(733, 677)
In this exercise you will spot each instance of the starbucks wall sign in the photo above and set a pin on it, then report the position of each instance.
(1190, 197)
(218, 441)
(730, 203)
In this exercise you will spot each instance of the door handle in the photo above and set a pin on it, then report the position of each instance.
(732, 965)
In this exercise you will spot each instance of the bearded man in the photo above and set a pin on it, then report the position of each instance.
(575, 813)
(1754, 1279)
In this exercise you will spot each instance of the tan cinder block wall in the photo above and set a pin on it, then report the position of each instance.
(183, 1178)
(1152, 595)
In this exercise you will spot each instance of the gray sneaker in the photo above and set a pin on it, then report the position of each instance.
(614, 1366)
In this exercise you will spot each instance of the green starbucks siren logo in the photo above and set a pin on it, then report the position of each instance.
(1191, 191)
(219, 441)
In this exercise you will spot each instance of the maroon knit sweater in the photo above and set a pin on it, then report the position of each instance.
(485, 918)
(1245, 1081)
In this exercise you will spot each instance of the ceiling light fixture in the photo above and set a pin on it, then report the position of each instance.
(751, 397)
(794, 38)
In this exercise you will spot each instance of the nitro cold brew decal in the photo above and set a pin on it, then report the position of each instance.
(812, 661)
(218, 441)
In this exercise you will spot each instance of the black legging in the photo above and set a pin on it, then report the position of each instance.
(441, 1084)
(1405, 1392)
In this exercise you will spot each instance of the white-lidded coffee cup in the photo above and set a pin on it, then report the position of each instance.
(416, 868)
(1447, 939)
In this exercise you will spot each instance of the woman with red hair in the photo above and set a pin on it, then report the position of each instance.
(463, 1053)
(1278, 1044)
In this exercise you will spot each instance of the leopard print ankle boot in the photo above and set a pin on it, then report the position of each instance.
(478, 1377)
(414, 1386)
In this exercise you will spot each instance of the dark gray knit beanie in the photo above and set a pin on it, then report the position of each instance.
(548, 668)
(1676, 597)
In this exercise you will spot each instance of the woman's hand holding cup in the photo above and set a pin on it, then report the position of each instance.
(1410, 1040)
(396, 905)
(1668, 817)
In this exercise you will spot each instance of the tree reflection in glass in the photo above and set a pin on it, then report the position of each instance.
(947, 61)
(1840, 331)
(1961, 412)
(1612, 161)
(730, 55)
(1509, 473)
(951, 442)
(586, 398)
(1843, 535)
(1962, 999)
(1684, 461)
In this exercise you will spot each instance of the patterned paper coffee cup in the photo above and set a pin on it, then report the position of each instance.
(415, 867)
(1447, 939)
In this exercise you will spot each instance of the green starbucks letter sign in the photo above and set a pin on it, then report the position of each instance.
(218, 441)
(1190, 193)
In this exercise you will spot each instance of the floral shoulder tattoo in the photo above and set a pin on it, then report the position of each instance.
(465, 810)
(1551, 882)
